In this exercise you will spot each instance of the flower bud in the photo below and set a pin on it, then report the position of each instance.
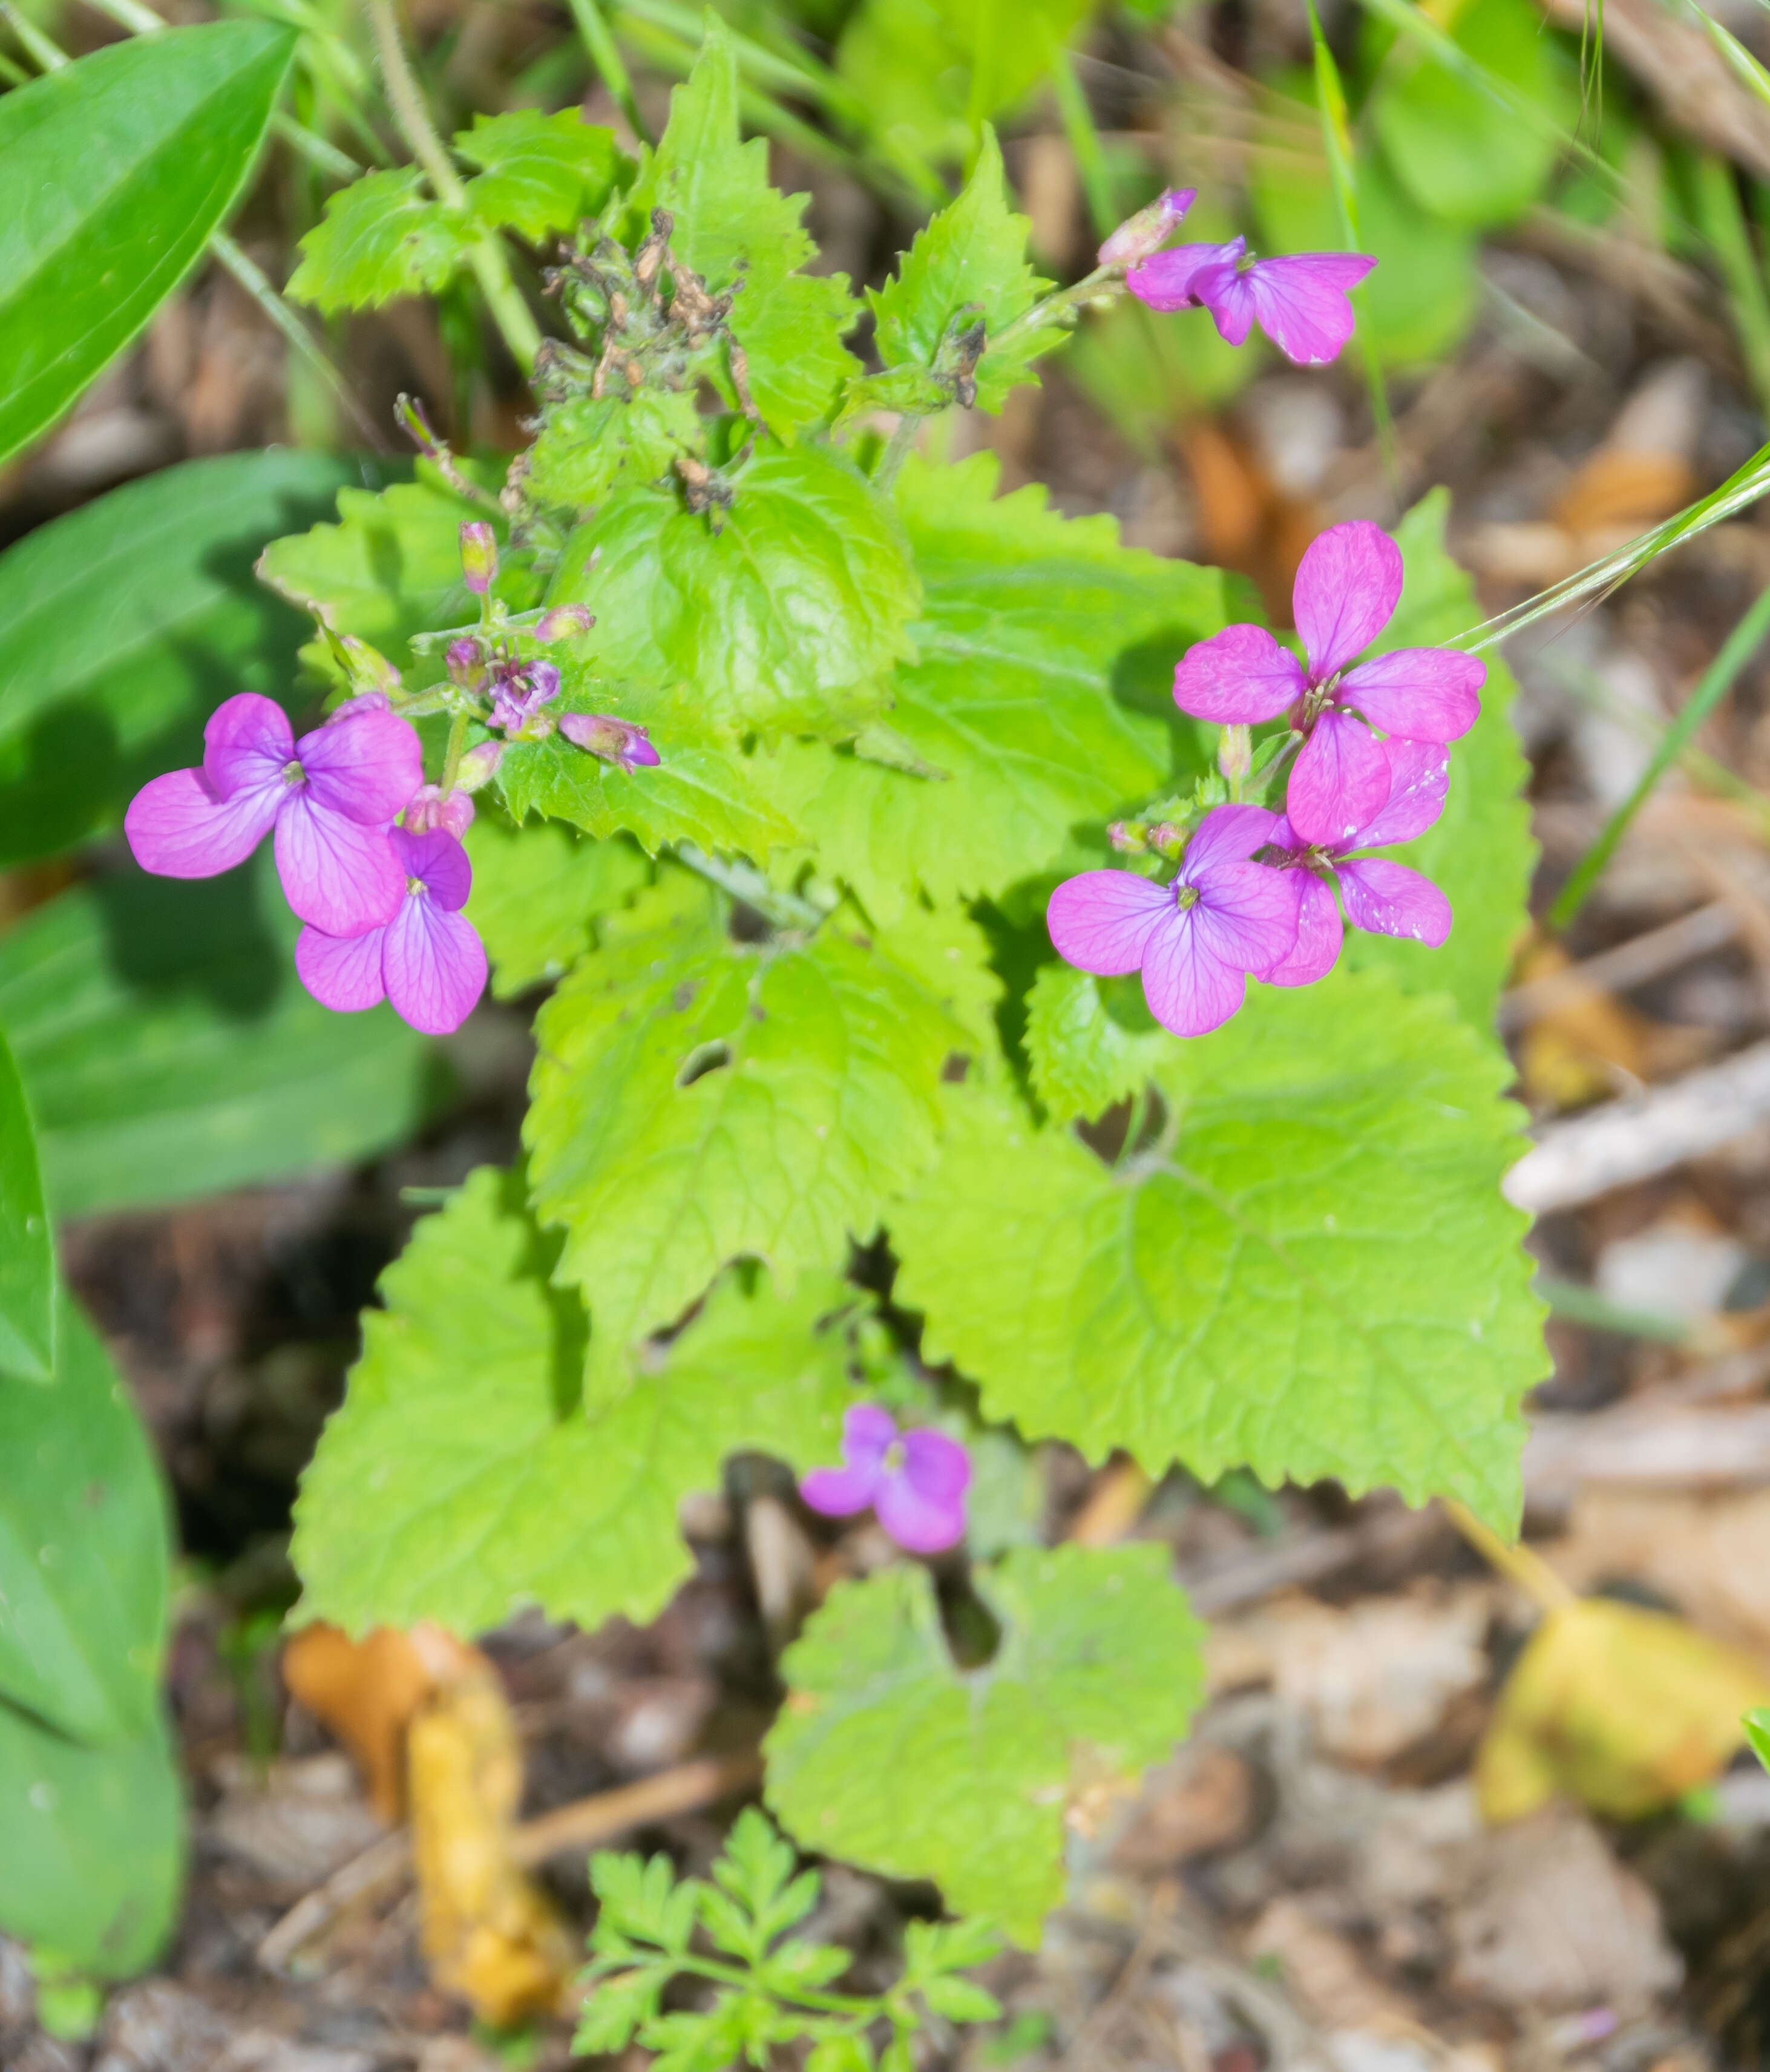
(430, 807)
(1127, 838)
(1166, 840)
(478, 765)
(463, 660)
(371, 672)
(615, 740)
(478, 556)
(565, 622)
(1235, 753)
(1141, 236)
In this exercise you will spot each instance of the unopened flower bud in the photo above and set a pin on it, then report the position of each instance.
(615, 740)
(1126, 837)
(1235, 753)
(431, 806)
(1166, 840)
(463, 659)
(565, 622)
(478, 556)
(478, 765)
(1142, 236)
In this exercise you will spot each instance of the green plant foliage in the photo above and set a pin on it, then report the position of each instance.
(90, 1818)
(124, 622)
(597, 443)
(462, 1479)
(130, 158)
(1480, 850)
(381, 237)
(780, 612)
(1042, 696)
(733, 225)
(536, 894)
(1312, 1273)
(773, 1992)
(693, 1101)
(27, 1245)
(1461, 154)
(967, 268)
(539, 173)
(887, 1754)
(168, 1050)
(1082, 1057)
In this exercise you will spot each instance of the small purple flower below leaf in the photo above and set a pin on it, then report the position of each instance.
(330, 796)
(915, 1482)
(1299, 301)
(1196, 940)
(616, 741)
(427, 961)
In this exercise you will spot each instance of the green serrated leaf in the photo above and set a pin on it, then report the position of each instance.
(536, 893)
(641, 1900)
(461, 1480)
(614, 2008)
(1082, 1059)
(121, 165)
(888, 1755)
(695, 1100)
(27, 1244)
(539, 173)
(1042, 692)
(1480, 851)
(960, 1999)
(1315, 1276)
(969, 265)
(780, 613)
(933, 1947)
(589, 447)
(381, 237)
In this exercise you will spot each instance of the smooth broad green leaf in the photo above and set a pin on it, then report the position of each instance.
(168, 1049)
(695, 1100)
(1041, 701)
(888, 1755)
(391, 566)
(461, 1480)
(92, 1839)
(1314, 1274)
(84, 1542)
(539, 173)
(536, 893)
(119, 166)
(381, 237)
(123, 624)
(595, 444)
(732, 226)
(968, 266)
(1083, 1059)
(715, 796)
(780, 613)
(1458, 153)
(1480, 850)
(27, 1245)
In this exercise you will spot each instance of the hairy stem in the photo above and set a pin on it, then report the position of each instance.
(896, 450)
(742, 881)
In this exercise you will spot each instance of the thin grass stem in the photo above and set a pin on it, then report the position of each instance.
(605, 54)
(1090, 158)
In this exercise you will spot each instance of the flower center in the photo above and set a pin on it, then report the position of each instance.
(293, 774)
(414, 886)
(1185, 896)
(894, 1458)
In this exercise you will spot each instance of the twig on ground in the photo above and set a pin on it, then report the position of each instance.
(1619, 970)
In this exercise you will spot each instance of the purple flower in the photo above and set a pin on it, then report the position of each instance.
(1196, 939)
(1347, 587)
(1300, 302)
(519, 689)
(432, 806)
(478, 556)
(1144, 233)
(1380, 895)
(427, 960)
(330, 796)
(916, 1483)
(615, 740)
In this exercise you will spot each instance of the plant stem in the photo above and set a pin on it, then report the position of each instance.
(604, 54)
(784, 909)
(898, 449)
(487, 257)
(251, 277)
(451, 761)
(1090, 159)
(1523, 1565)
(46, 55)
(1103, 282)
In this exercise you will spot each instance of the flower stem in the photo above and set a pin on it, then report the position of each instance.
(491, 267)
(896, 450)
(784, 909)
(1103, 284)
(451, 761)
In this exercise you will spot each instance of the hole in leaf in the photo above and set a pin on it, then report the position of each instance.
(704, 1058)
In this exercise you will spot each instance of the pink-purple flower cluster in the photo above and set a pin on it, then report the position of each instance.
(1254, 893)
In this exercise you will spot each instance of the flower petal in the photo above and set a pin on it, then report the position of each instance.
(867, 1433)
(365, 765)
(1101, 921)
(1228, 834)
(1421, 693)
(1341, 780)
(1237, 677)
(1189, 990)
(1300, 301)
(1247, 914)
(1348, 584)
(341, 877)
(1319, 935)
(247, 742)
(343, 972)
(1223, 290)
(1389, 899)
(1419, 775)
(179, 828)
(434, 964)
(922, 1507)
(839, 1492)
(1165, 282)
(438, 862)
